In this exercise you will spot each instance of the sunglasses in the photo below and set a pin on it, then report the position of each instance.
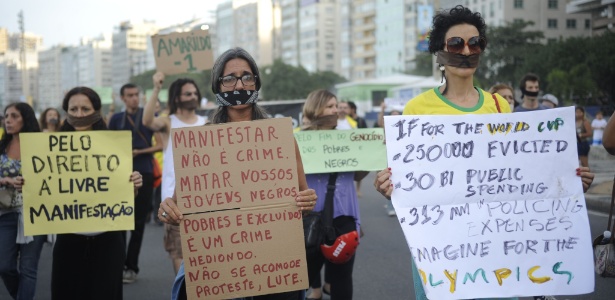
(475, 44)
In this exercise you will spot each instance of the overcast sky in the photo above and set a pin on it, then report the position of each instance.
(66, 21)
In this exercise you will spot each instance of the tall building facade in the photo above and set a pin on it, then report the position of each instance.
(310, 34)
(363, 38)
(255, 26)
(225, 28)
(58, 73)
(602, 13)
(19, 67)
(94, 62)
(548, 16)
(345, 39)
(129, 51)
(291, 50)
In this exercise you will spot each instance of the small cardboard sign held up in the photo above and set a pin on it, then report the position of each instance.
(242, 234)
(183, 52)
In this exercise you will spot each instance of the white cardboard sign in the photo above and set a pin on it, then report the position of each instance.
(491, 205)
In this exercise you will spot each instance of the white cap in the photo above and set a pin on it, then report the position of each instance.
(550, 98)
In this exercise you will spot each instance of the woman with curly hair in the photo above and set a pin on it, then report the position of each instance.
(457, 39)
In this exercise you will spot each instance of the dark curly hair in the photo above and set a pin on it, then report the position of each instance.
(30, 124)
(220, 115)
(96, 104)
(446, 19)
(175, 91)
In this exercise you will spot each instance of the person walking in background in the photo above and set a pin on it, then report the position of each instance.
(88, 265)
(19, 254)
(598, 125)
(142, 151)
(530, 87)
(506, 91)
(584, 135)
(184, 97)
(50, 120)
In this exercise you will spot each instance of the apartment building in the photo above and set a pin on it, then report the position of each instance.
(602, 13)
(94, 61)
(129, 51)
(18, 70)
(548, 16)
(58, 73)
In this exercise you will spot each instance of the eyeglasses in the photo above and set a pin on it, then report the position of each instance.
(188, 94)
(476, 44)
(231, 81)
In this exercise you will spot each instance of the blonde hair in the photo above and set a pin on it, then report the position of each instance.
(316, 103)
(500, 86)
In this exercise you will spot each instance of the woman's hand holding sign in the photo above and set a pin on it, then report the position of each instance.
(383, 183)
(587, 177)
(306, 200)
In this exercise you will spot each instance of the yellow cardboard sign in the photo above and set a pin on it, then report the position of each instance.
(183, 52)
(236, 184)
(77, 182)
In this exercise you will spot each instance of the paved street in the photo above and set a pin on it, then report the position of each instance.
(382, 269)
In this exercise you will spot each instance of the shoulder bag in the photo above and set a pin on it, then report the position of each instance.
(314, 229)
(10, 198)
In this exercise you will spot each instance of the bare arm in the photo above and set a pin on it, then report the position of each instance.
(383, 183)
(608, 138)
(149, 119)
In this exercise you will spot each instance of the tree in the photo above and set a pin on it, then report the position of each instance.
(587, 63)
(282, 81)
(601, 63)
(507, 49)
(424, 64)
(559, 84)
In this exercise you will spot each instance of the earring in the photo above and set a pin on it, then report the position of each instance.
(442, 71)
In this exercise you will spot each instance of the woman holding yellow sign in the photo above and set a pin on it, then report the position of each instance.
(19, 254)
(88, 265)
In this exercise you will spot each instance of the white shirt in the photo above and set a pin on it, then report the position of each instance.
(168, 169)
(343, 124)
